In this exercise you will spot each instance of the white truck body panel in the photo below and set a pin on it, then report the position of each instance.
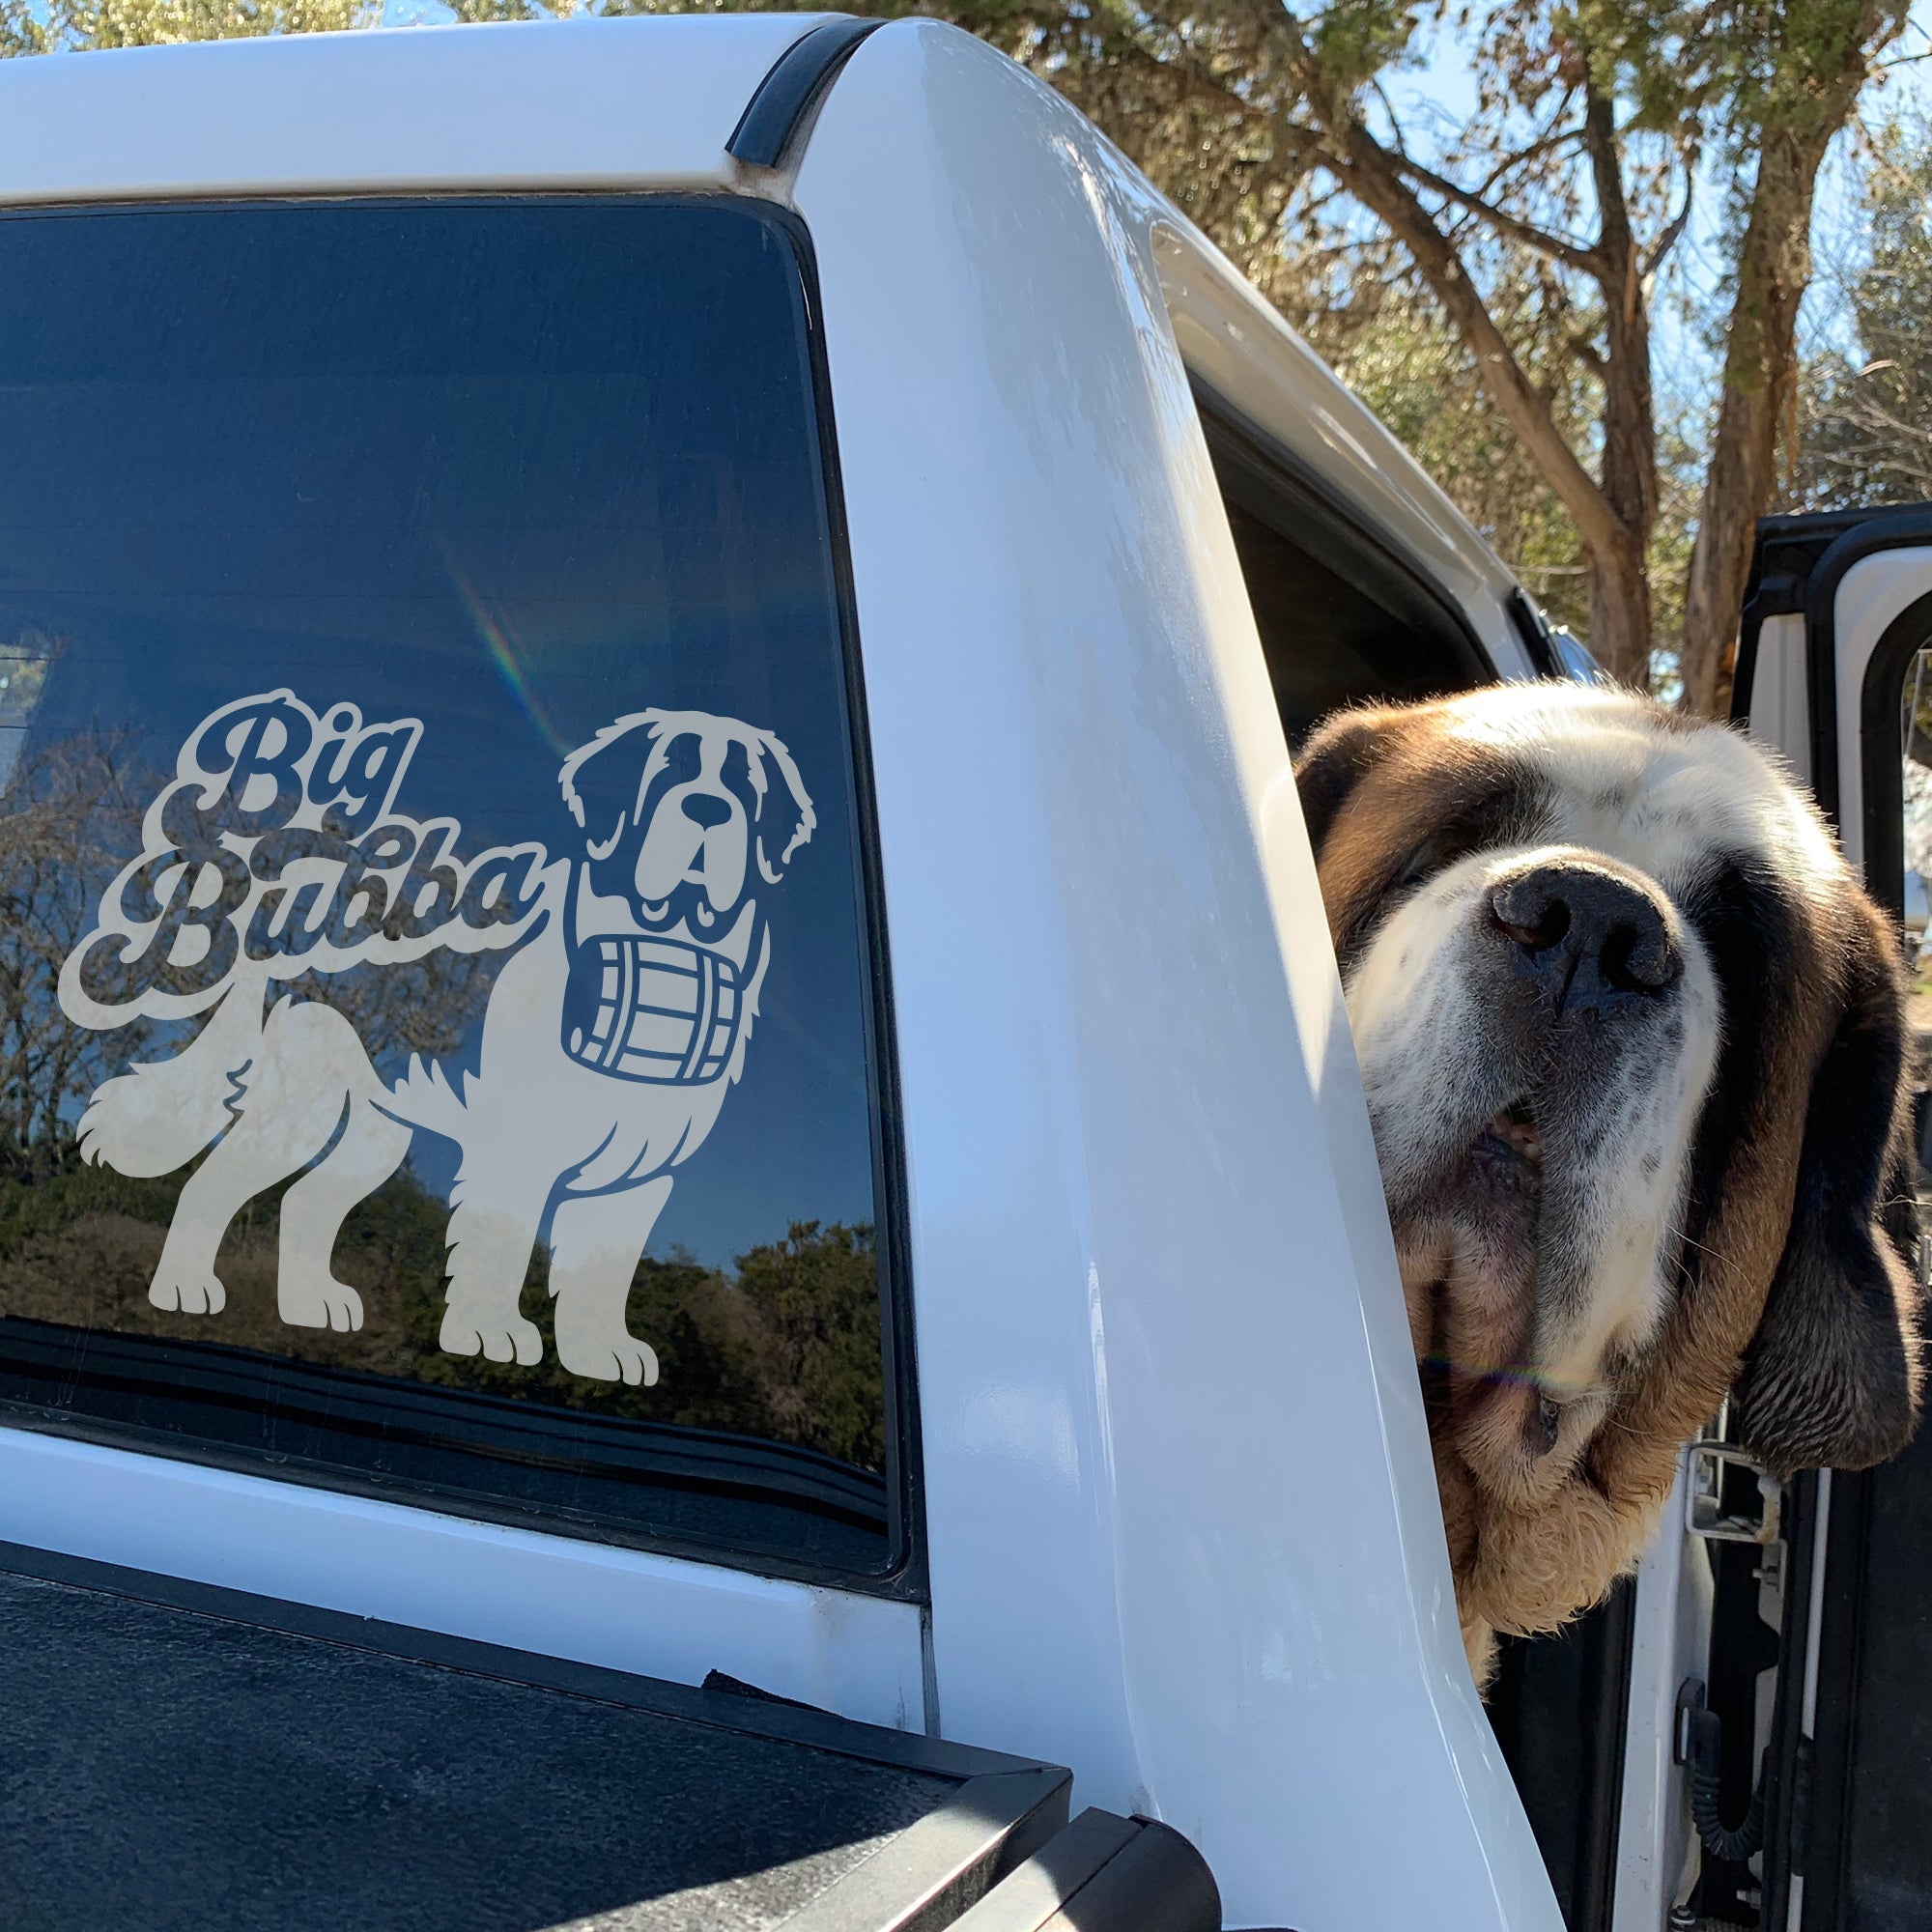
(592, 1603)
(571, 105)
(1182, 1513)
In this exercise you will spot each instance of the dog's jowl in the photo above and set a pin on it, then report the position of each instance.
(1634, 1046)
(614, 1028)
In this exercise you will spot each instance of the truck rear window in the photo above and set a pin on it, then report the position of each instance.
(441, 1054)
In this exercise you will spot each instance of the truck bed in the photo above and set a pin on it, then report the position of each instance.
(173, 1756)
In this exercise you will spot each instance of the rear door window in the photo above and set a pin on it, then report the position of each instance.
(1342, 619)
(442, 1051)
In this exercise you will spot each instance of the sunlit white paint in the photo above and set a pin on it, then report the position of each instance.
(1874, 591)
(1183, 1527)
(1780, 713)
(1671, 1640)
(557, 1596)
(563, 104)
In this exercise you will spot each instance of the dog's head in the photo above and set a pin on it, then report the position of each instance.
(683, 815)
(1634, 1051)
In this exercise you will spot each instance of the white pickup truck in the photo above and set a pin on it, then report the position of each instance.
(666, 1018)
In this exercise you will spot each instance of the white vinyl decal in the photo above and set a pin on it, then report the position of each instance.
(610, 1039)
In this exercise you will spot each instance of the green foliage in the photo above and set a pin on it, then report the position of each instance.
(815, 1295)
(72, 24)
(36, 1207)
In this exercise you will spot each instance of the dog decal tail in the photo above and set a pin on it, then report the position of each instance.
(160, 1114)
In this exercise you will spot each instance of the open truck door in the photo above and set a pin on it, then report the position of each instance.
(1820, 1643)
(1735, 1735)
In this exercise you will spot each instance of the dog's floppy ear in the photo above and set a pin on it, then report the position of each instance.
(1340, 752)
(784, 817)
(602, 781)
(1832, 1379)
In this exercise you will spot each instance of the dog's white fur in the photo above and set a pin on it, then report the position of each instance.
(538, 1130)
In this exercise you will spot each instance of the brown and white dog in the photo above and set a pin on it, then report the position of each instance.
(1634, 1049)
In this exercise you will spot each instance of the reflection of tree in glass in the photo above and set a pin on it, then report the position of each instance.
(786, 1346)
(69, 816)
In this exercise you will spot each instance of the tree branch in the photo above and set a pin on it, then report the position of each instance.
(1660, 248)
(1375, 177)
(1555, 247)
(1548, 145)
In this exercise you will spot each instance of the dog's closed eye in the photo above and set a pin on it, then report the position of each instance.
(1423, 861)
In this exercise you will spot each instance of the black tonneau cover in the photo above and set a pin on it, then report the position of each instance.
(173, 1756)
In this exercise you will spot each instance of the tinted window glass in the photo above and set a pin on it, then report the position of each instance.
(439, 1052)
(1341, 621)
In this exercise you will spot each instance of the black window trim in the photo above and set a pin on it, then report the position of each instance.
(904, 1576)
(777, 120)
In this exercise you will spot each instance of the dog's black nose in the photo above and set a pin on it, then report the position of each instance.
(1585, 935)
(702, 809)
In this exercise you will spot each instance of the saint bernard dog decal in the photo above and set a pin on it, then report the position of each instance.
(612, 1033)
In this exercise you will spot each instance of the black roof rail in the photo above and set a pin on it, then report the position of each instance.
(786, 95)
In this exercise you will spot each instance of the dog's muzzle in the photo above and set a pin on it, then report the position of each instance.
(651, 1010)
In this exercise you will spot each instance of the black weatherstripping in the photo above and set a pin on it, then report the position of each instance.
(796, 84)
(1533, 629)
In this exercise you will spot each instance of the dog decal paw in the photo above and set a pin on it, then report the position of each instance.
(619, 1019)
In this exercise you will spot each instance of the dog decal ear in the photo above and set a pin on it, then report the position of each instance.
(784, 817)
(1832, 1379)
(601, 789)
(1333, 762)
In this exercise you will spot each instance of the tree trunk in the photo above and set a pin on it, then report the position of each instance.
(1761, 356)
(1620, 633)
(1760, 373)
(1611, 516)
